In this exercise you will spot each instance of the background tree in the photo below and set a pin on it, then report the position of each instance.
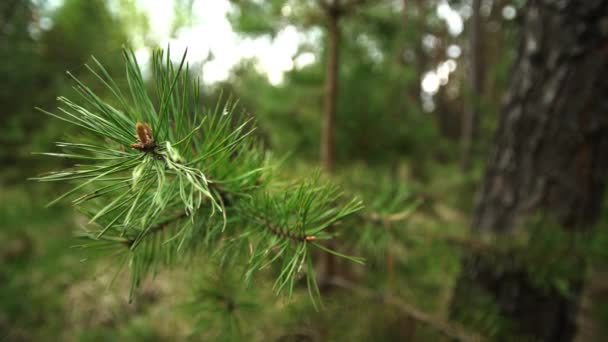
(327, 14)
(15, 41)
(470, 121)
(564, 138)
(549, 156)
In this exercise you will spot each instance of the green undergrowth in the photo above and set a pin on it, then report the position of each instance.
(83, 300)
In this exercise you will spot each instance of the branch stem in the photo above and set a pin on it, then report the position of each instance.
(442, 327)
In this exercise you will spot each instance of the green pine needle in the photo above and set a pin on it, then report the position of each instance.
(159, 178)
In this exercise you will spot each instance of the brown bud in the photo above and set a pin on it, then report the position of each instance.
(145, 141)
(148, 132)
(142, 137)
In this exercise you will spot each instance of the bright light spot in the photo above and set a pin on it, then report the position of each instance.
(50, 4)
(430, 83)
(451, 64)
(211, 40)
(508, 12)
(143, 59)
(196, 52)
(304, 59)
(443, 73)
(451, 17)
(433, 80)
(465, 11)
(454, 51)
(160, 15)
(485, 9)
(429, 41)
(46, 23)
(286, 10)
(276, 58)
(275, 77)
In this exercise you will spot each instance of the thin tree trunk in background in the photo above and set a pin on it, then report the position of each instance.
(331, 89)
(470, 120)
(412, 11)
(550, 154)
(333, 12)
(494, 50)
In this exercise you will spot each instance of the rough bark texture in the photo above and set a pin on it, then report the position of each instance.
(331, 89)
(550, 154)
(551, 148)
(532, 312)
(591, 326)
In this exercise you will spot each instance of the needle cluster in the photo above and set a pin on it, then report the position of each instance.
(160, 179)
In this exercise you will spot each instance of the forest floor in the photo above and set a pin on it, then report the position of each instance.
(50, 289)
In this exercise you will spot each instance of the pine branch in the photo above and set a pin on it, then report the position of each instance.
(387, 219)
(147, 162)
(285, 233)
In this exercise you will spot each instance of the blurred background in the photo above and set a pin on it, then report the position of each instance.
(430, 110)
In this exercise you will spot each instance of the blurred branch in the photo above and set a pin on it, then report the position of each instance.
(387, 219)
(463, 242)
(442, 327)
(324, 5)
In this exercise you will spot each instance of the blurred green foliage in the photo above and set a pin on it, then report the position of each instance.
(397, 155)
(40, 46)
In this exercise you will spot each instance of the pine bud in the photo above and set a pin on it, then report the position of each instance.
(145, 141)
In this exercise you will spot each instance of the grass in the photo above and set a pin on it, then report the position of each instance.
(47, 290)
(35, 267)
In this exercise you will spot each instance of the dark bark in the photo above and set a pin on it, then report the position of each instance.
(550, 155)
(551, 147)
(331, 88)
(532, 312)
(447, 116)
(470, 120)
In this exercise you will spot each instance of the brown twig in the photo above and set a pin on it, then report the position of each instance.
(284, 233)
(387, 219)
(155, 229)
(448, 330)
(224, 196)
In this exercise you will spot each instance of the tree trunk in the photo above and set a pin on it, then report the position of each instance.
(470, 120)
(551, 146)
(331, 90)
(550, 154)
(332, 13)
(411, 18)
